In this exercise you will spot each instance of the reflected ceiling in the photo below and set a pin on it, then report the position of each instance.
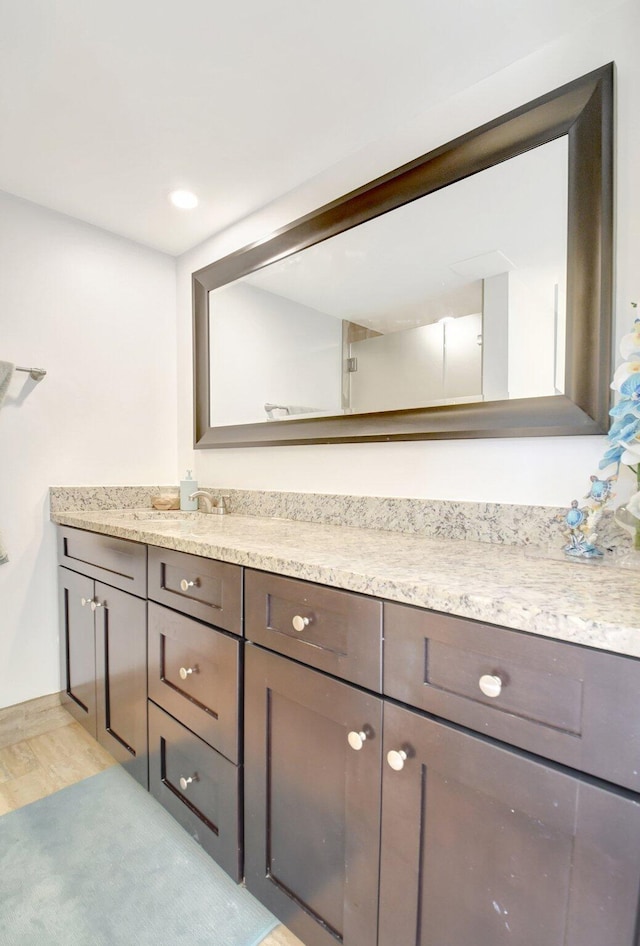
(426, 260)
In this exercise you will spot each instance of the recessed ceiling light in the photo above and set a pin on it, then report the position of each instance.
(185, 200)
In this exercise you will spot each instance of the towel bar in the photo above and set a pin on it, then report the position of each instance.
(36, 373)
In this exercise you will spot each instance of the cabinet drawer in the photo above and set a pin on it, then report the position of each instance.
(566, 702)
(336, 631)
(208, 805)
(194, 673)
(117, 562)
(202, 587)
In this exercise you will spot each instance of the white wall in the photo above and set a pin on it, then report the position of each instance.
(539, 471)
(98, 313)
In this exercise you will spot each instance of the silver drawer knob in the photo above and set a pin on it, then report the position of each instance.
(186, 782)
(490, 685)
(396, 759)
(185, 584)
(356, 739)
(96, 604)
(299, 623)
(185, 672)
(85, 601)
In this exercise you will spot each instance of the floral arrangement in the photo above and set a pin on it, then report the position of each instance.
(624, 434)
(624, 437)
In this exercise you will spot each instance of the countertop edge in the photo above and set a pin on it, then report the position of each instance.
(504, 610)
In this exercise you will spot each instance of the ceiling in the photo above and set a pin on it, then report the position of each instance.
(106, 105)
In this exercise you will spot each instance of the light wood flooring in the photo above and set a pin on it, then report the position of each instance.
(43, 749)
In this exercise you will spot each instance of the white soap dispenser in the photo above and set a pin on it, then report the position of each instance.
(187, 487)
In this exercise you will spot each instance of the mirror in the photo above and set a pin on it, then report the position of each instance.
(466, 294)
(411, 309)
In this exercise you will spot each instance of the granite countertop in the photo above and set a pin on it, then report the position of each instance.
(525, 589)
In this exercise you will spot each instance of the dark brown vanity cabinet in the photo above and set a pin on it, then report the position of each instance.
(476, 787)
(104, 645)
(195, 689)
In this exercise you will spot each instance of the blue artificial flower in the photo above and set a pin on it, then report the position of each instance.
(630, 432)
(625, 428)
(630, 387)
(626, 406)
(612, 455)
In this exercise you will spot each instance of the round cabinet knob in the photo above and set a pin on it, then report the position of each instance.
(396, 759)
(186, 782)
(85, 601)
(185, 672)
(490, 685)
(299, 623)
(185, 584)
(356, 739)
(95, 605)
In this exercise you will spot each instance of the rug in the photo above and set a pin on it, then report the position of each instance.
(101, 863)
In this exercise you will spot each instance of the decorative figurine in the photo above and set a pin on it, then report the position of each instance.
(601, 491)
(580, 532)
(582, 523)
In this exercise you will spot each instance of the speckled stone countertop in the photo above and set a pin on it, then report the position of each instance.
(526, 589)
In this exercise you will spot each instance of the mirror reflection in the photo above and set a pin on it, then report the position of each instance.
(456, 297)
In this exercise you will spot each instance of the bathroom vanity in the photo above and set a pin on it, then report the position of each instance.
(394, 740)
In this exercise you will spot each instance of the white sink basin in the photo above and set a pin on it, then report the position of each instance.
(157, 519)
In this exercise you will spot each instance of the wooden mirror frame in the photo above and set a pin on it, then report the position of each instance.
(582, 110)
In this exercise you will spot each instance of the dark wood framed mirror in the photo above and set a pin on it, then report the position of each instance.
(581, 112)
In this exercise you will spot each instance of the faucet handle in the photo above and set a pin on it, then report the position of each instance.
(221, 505)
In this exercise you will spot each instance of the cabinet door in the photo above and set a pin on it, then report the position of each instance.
(78, 652)
(484, 846)
(121, 678)
(312, 803)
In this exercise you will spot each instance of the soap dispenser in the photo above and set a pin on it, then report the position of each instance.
(187, 487)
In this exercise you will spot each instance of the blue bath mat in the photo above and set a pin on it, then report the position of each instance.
(102, 864)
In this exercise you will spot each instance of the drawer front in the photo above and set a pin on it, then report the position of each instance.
(194, 674)
(117, 562)
(208, 805)
(566, 702)
(202, 587)
(336, 631)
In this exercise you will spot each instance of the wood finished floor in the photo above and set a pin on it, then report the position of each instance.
(43, 749)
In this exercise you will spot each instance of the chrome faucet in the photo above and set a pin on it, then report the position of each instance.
(218, 508)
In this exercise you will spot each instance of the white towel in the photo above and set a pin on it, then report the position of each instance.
(6, 374)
